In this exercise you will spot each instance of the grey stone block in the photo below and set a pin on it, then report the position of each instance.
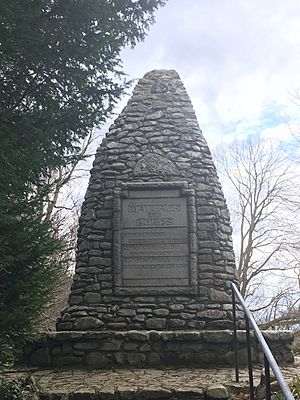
(135, 359)
(91, 298)
(130, 346)
(85, 345)
(112, 345)
(103, 224)
(97, 359)
(211, 314)
(217, 391)
(86, 323)
(156, 323)
(176, 323)
(125, 312)
(217, 336)
(161, 312)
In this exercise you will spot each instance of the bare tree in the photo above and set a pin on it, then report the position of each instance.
(62, 176)
(260, 180)
(62, 206)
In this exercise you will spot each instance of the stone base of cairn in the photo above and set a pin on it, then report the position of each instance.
(107, 349)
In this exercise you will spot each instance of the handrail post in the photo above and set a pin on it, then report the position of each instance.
(249, 355)
(265, 348)
(235, 343)
(267, 378)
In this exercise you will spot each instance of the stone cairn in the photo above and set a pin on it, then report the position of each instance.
(155, 147)
(154, 258)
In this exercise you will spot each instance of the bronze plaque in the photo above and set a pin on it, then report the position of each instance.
(154, 239)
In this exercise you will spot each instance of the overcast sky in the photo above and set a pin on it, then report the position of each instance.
(238, 59)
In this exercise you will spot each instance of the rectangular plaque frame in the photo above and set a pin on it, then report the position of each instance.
(144, 190)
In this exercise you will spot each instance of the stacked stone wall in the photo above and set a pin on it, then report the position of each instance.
(152, 348)
(158, 122)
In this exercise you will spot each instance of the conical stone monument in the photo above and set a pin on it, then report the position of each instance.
(154, 258)
(154, 242)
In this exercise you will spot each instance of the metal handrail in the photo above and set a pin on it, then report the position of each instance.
(269, 358)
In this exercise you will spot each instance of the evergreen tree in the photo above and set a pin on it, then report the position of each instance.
(60, 75)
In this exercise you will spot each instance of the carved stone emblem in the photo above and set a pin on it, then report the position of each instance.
(154, 164)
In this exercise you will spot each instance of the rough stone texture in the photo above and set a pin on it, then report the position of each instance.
(136, 384)
(155, 140)
(217, 391)
(148, 348)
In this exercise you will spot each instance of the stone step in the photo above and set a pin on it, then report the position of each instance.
(109, 349)
(144, 384)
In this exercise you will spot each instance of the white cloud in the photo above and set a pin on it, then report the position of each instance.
(280, 132)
